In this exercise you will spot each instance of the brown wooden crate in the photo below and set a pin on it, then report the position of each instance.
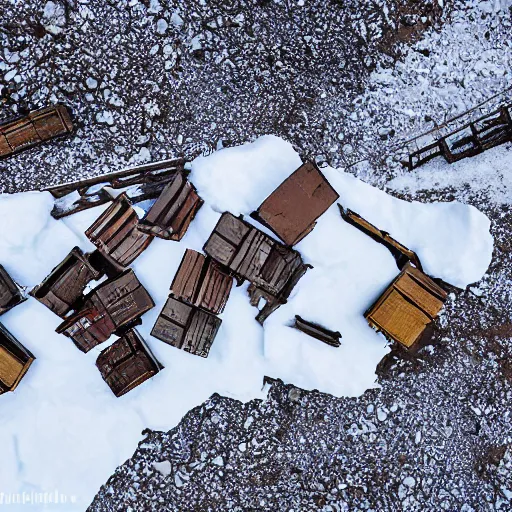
(10, 367)
(22, 135)
(427, 302)
(292, 209)
(49, 125)
(5, 148)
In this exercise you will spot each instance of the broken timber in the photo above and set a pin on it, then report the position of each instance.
(407, 308)
(249, 254)
(317, 331)
(10, 293)
(292, 209)
(113, 306)
(64, 286)
(15, 360)
(37, 127)
(127, 363)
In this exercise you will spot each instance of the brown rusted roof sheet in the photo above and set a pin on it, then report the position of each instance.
(329, 337)
(10, 293)
(127, 363)
(114, 304)
(173, 211)
(15, 360)
(115, 233)
(186, 327)
(292, 209)
(200, 281)
(407, 307)
(39, 126)
(64, 286)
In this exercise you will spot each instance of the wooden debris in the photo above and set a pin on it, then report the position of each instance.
(201, 282)
(38, 126)
(113, 305)
(141, 183)
(471, 139)
(186, 327)
(10, 293)
(116, 233)
(402, 254)
(15, 360)
(292, 209)
(272, 268)
(173, 211)
(407, 307)
(65, 285)
(127, 363)
(317, 331)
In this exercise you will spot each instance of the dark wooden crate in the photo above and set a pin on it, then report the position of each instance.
(65, 284)
(113, 305)
(10, 293)
(186, 327)
(15, 360)
(292, 209)
(127, 363)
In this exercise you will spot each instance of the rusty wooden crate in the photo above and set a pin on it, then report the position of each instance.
(173, 211)
(201, 282)
(186, 327)
(272, 268)
(116, 235)
(314, 330)
(112, 306)
(292, 209)
(65, 284)
(38, 126)
(407, 307)
(127, 363)
(15, 360)
(10, 293)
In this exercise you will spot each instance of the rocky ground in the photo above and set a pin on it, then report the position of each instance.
(347, 83)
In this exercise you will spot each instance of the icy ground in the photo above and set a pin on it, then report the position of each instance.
(48, 427)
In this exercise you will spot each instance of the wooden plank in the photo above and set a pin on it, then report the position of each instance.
(215, 289)
(10, 367)
(201, 333)
(188, 278)
(232, 228)
(220, 250)
(329, 337)
(427, 302)
(21, 136)
(10, 293)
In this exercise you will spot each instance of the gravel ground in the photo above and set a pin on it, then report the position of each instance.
(148, 80)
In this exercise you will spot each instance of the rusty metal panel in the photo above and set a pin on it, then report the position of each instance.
(292, 209)
(10, 293)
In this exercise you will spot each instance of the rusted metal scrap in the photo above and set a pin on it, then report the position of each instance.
(116, 235)
(10, 293)
(186, 327)
(15, 360)
(111, 307)
(127, 363)
(64, 286)
(329, 337)
(38, 126)
(405, 311)
(141, 183)
(471, 139)
(292, 209)
(249, 254)
(173, 211)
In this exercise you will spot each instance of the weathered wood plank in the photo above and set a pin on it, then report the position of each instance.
(329, 337)
(10, 293)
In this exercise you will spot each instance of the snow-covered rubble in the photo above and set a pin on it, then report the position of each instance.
(64, 429)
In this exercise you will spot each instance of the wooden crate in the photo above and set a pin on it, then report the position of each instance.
(173, 211)
(292, 209)
(186, 327)
(115, 304)
(127, 363)
(38, 126)
(65, 284)
(407, 307)
(15, 360)
(10, 293)
(201, 282)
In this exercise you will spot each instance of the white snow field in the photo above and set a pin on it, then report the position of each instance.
(63, 429)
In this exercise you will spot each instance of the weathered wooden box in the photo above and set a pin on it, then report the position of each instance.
(186, 327)
(407, 307)
(10, 293)
(15, 360)
(292, 209)
(38, 126)
(173, 211)
(114, 304)
(272, 268)
(127, 363)
(64, 286)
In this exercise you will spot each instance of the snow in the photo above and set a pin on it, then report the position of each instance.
(64, 416)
